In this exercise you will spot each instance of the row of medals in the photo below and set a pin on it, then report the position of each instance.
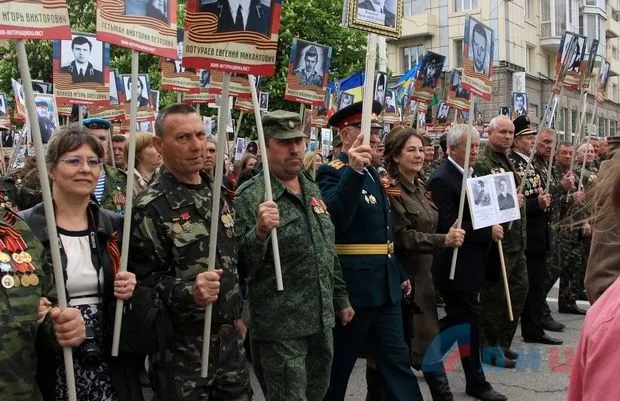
(186, 225)
(17, 269)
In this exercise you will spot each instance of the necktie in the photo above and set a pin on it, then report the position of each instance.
(239, 20)
(81, 72)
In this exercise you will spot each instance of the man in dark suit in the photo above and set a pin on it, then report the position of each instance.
(389, 102)
(461, 294)
(239, 15)
(46, 124)
(360, 211)
(141, 100)
(378, 6)
(81, 69)
(505, 199)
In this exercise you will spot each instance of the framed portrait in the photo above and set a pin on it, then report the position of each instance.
(263, 101)
(143, 93)
(458, 97)
(379, 16)
(149, 26)
(308, 72)
(492, 199)
(346, 99)
(504, 111)
(478, 54)
(519, 103)
(228, 34)
(47, 115)
(601, 80)
(3, 110)
(443, 109)
(570, 60)
(380, 87)
(428, 77)
(389, 106)
(592, 56)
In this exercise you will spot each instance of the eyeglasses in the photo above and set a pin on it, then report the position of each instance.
(78, 161)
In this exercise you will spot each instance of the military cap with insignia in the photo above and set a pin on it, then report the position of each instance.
(96, 123)
(282, 124)
(352, 115)
(522, 126)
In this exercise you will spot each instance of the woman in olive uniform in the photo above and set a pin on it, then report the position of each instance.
(414, 218)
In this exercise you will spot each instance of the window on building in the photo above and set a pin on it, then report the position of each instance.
(614, 92)
(545, 18)
(613, 126)
(561, 120)
(411, 56)
(570, 11)
(462, 5)
(458, 49)
(591, 2)
(602, 126)
(574, 120)
(590, 28)
(560, 17)
(413, 7)
(614, 52)
(529, 59)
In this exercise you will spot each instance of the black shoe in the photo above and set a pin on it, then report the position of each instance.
(487, 395)
(543, 339)
(574, 309)
(510, 354)
(496, 358)
(373, 383)
(438, 385)
(553, 325)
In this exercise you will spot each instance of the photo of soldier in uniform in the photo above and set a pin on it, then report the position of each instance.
(390, 102)
(82, 58)
(519, 103)
(46, 116)
(143, 98)
(380, 83)
(239, 15)
(380, 12)
(505, 199)
(479, 42)
(442, 112)
(310, 65)
(432, 69)
(458, 89)
(263, 101)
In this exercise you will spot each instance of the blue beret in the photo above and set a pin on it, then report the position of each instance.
(96, 123)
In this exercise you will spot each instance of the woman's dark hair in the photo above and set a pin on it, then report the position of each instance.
(69, 138)
(246, 159)
(394, 144)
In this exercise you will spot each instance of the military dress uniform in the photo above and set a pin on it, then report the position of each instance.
(291, 330)
(360, 211)
(497, 329)
(21, 289)
(169, 248)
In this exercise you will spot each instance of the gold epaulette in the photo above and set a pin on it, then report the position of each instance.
(337, 164)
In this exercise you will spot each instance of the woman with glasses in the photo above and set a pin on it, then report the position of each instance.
(89, 239)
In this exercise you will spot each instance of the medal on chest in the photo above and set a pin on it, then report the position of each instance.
(16, 265)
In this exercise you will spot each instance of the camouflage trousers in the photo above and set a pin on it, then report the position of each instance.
(573, 257)
(497, 330)
(176, 376)
(296, 369)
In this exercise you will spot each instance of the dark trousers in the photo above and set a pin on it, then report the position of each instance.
(383, 327)
(533, 311)
(462, 324)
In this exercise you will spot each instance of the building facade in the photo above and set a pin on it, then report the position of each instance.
(527, 38)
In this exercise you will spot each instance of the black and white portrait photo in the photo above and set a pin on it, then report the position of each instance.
(2, 104)
(346, 99)
(239, 15)
(519, 103)
(573, 60)
(482, 197)
(205, 78)
(455, 83)
(380, 12)
(504, 111)
(263, 101)
(433, 64)
(113, 88)
(46, 116)
(380, 86)
(157, 9)
(82, 58)
(142, 87)
(442, 112)
(479, 44)
(41, 87)
(390, 102)
(310, 63)
(603, 75)
(505, 198)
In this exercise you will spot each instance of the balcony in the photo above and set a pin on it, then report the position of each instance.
(612, 26)
(549, 40)
(419, 25)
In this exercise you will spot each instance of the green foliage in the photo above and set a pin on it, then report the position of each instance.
(312, 20)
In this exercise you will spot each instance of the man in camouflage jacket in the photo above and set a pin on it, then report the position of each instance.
(169, 251)
(291, 331)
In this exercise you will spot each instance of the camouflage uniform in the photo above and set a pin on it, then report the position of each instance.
(19, 307)
(574, 246)
(291, 331)
(497, 329)
(8, 192)
(114, 189)
(429, 169)
(170, 246)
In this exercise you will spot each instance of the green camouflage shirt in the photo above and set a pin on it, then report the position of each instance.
(170, 246)
(19, 306)
(313, 283)
(114, 189)
(492, 162)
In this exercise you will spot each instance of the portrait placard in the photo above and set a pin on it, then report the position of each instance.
(601, 80)
(239, 85)
(478, 46)
(145, 104)
(47, 115)
(174, 76)
(5, 120)
(244, 105)
(18, 93)
(443, 109)
(378, 16)
(116, 109)
(149, 26)
(390, 112)
(381, 80)
(34, 19)
(308, 72)
(519, 103)
(492, 199)
(263, 101)
(244, 40)
(428, 77)
(42, 87)
(80, 70)
(458, 97)
(570, 64)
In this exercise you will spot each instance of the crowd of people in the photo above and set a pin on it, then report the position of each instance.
(365, 244)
